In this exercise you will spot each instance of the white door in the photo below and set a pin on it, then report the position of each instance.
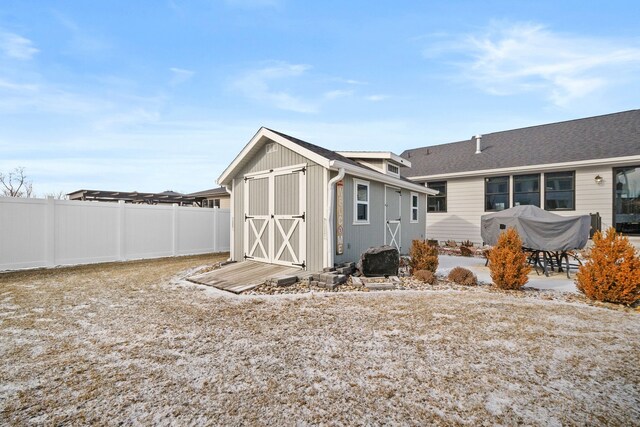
(275, 217)
(392, 215)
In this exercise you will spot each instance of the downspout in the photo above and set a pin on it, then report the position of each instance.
(232, 232)
(330, 208)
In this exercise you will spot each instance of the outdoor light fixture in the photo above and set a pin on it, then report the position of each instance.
(598, 179)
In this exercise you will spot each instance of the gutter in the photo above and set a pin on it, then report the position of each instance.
(539, 167)
(329, 222)
(380, 177)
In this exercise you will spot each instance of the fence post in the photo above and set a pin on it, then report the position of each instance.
(50, 232)
(216, 213)
(174, 246)
(122, 231)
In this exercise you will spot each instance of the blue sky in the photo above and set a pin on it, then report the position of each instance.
(159, 95)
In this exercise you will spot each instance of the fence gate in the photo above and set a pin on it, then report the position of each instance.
(275, 217)
(392, 200)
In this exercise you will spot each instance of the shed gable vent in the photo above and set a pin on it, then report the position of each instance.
(272, 148)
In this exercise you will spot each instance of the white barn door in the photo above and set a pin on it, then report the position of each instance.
(275, 217)
(392, 216)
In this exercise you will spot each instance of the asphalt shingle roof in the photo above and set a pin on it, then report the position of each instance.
(611, 135)
(329, 154)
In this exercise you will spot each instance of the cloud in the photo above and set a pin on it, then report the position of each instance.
(180, 75)
(82, 41)
(16, 47)
(512, 58)
(257, 85)
(376, 98)
(334, 94)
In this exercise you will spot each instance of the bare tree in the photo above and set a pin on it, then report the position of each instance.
(58, 195)
(15, 184)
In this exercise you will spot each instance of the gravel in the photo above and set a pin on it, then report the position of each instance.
(129, 343)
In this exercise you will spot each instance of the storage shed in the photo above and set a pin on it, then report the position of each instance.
(297, 204)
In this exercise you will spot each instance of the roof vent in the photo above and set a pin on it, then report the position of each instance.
(478, 143)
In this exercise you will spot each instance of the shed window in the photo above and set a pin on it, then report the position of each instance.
(437, 203)
(559, 191)
(361, 202)
(414, 207)
(526, 190)
(496, 193)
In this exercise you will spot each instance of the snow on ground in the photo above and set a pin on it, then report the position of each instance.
(121, 343)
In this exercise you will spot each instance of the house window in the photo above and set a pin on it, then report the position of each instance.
(437, 203)
(414, 207)
(559, 191)
(205, 203)
(496, 193)
(626, 199)
(393, 169)
(526, 190)
(361, 202)
(216, 203)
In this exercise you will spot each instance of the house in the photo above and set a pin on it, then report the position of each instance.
(213, 198)
(294, 203)
(166, 197)
(576, 167)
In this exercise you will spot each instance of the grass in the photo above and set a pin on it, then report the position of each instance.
(121, 343)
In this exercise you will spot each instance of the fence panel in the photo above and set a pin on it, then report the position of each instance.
(48, 232)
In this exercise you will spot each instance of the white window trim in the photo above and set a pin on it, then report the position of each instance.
(416, 208)
(386, 167)
(356, 202)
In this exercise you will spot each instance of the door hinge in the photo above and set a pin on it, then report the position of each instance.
(247, 178)
(303, 265)
(303, 170)
(247, 256)
(300, 216)
(248, 217)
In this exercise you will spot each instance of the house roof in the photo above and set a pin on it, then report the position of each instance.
(601, 137)
(322, 156)
(218, 191)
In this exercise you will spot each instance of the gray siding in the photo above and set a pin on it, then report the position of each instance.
(284, 157)
(358, 238)
(412, 231)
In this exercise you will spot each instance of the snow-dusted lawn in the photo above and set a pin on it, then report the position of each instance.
(121, 344)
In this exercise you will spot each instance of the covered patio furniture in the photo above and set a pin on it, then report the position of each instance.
(543, 233)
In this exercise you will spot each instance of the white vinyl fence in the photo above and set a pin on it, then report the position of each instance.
(48, 232)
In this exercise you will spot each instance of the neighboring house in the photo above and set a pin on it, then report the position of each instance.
(294, 203)
(583, 166)
(166, 197)
(213, 198)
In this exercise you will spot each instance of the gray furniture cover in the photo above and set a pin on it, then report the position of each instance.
(538, 229)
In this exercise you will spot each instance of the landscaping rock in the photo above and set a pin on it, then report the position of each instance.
(379, 261)
(356, 281)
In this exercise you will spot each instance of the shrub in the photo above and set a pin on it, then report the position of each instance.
(451, 244)
(423, 256)
(466, 251)
(425, 276)
(462, 276)
(507, 262)
(612, 270)
(467, 243)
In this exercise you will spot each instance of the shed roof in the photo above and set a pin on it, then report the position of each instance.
(322, 156)
(601, 137)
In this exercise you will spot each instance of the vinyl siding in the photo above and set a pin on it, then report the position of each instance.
(284, 157)
(360, 237)
(465, 204)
